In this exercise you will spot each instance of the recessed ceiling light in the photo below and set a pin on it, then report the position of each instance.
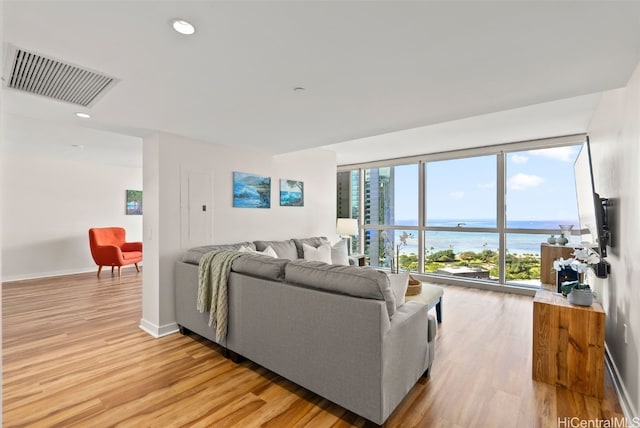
(83, 115)
(183, 27)
(78, 146)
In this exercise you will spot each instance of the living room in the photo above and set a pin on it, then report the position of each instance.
(160, 161)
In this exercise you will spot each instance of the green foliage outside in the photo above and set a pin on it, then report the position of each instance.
(442, 256)
(525, 266)
(518, 267)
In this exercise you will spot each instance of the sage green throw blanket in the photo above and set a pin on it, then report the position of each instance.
(213, 273)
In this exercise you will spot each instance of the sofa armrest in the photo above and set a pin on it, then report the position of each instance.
(106, 254)
(131, 246)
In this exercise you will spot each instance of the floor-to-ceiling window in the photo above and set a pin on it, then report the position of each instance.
(540, 196)
(461, 234)
(479, 214)
(391, 214)
(348, 199)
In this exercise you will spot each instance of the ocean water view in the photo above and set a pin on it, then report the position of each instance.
(460, 241)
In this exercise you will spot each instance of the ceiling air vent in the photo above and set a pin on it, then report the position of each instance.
(39, 75)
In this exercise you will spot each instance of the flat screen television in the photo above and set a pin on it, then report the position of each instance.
(592, 213)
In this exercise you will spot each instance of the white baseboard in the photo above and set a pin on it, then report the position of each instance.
(158, 331)
(623, 396)
(38, 275)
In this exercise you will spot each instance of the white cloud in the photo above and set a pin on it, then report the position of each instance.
(456, 195)
(519, 159)
(564, 154)
(524, 181)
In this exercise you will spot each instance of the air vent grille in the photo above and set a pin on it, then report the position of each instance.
(44, 76)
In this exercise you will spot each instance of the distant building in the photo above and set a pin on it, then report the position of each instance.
(378, 207)
(348, 198)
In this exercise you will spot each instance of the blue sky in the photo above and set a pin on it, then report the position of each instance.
(540, 186)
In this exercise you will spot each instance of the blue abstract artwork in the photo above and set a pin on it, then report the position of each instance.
(251, 191)
(291, 193)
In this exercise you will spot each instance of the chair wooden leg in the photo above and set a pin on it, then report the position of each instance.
(112, 269)
(137, 268)
(99, 270)
(119, 272)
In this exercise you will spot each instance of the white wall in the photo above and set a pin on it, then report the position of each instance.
(48, 205)
(167, 156)
(614, 133)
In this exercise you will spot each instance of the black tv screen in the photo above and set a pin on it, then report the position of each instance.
(591, 210)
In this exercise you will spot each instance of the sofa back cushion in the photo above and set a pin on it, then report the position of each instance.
(284, 249)
(194, 255)
(349, 280)
(259, 265)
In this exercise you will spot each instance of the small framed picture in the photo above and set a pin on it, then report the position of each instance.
(291, 193)
(134, 202)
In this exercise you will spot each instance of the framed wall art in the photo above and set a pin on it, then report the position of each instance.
(251, 191)
(291, 193)
(134, 202)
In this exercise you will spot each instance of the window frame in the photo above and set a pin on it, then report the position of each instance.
(500, 151)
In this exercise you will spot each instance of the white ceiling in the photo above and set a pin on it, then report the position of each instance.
(369, 69)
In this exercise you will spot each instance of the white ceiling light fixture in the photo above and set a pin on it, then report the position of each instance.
(83, 115)
(183, 27)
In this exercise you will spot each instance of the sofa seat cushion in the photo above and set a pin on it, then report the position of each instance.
(284, 249)
(349, 280)
(259, 265)
(131, 255)
(194, 255)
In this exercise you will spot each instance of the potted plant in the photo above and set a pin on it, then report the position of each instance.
(577, 292)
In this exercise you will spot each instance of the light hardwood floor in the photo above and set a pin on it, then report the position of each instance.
(73, 355)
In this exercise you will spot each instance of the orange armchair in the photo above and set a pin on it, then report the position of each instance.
(108, 248)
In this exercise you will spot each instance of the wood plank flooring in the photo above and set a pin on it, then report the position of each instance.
(73, 355)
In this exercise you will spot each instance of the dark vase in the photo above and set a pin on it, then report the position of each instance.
(565, 275)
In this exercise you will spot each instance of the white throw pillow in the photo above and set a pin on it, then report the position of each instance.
(320, 254)
(270, 252)
(339, 253)
(399, 284)
(267, 251)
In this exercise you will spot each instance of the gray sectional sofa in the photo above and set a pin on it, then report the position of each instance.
(335, 330)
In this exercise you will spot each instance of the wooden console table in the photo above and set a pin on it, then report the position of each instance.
(568, 344)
